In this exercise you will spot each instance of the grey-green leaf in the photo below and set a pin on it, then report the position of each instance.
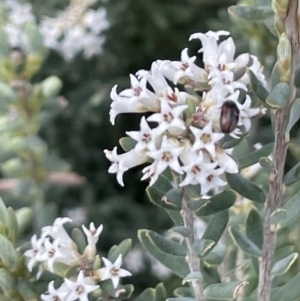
(254, 227)
(181, 230)
(257, 86)
(244, 242)
(192, 276)
(127, 143)
(123, 248)
(147, 295)
(203, 246)
(292, 208)
(173, 198)
(266, 163)
(283, 265)
(251, 13)
(279, 96)
(278, 215)
(294, 114)
(254, 156)
(293, 175)
(218, 202)
(177, 264)
(224, 291)
(245, 187)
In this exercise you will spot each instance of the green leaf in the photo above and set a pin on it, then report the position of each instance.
(216, 226)
(79, 238)
(251, 13)
(7, 94)
(294, 114)
(224, 291)
(203, 246)
(229, 142)
(254, 227)
(24, 218)
(173, 198)
(275, 77)
(160, 292)
(177, 264)
(27, 290)
(293, 175)
(158, 190)
(278, 215)
(244, 242)
(3, 212)
(245, 187)
(127, 143)
(279, 96)
(266, 163)
(193, 192)
(283, 265)
(166, 245)
(292, 208)
(183, 292)
(7, 282)
(129, 288)
(215, 256)
(257, 86)
(218, 202)
(8, 254)
(181, 230)
(192, 276)
(123, 248)
(289, 291)
(254, 156)
(12, 225)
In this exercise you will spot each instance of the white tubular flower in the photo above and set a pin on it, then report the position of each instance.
(169, 118)
(123, 162)
(80, 288)
(92, 45)
(36, 252)
(166, 156)
(226, 162)
(206, 138)
(96, 20)
(113, 271)
(21, 14)
(59, 294)
(184, 71)
(147, 138)
(213, 180)
(58, 231)
(92, 234)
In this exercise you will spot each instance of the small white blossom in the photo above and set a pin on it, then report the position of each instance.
(92, 234)
(113, 271)
(59, 294)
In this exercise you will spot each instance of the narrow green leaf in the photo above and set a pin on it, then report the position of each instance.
(244, 242)
(278, 215)
(271, 25)
(127, 143)
(254, 156)
(79, 238)
(8, 254)
(203, 246)
(181, 230)
(166, 245)
(224, 291)
(229, 142)
(216, 226)
(294, 114)
(123, 248)
(257, 86)
(160, 292)
(129, 288)
(283, 265)
(289, 291)
(245, 187)
(183, 292)
(279, 96)
(215, 256)
(12, 225)
(27, 290)
(193, 192)
(292, 208)
(251, 13)
(158, 190)
(173, 198)
(218, 202)
(293, 175)
(275, 77)
(192, 276)
(177, 264)
(147, 295)
(254, 227)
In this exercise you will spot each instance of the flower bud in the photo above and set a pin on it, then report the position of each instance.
(284, 56)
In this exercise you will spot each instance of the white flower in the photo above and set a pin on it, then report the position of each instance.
(92, 45)
(169, 118)
(92, 234)
(35, 253)
(113, 271)
(96, 20)
(206, 138)
(21, 14)
(212, 180)
(123, 162)
(147, 138)
(226, 162)
(166, 156)
(80, 288)
(59, 294)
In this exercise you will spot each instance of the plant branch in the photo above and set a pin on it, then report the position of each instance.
(280, 118)
(192, 257)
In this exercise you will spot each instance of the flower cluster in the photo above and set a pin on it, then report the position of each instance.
(76, 29)
(56, 246)
(186, 129)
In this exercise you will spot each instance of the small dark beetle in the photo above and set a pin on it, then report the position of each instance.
(229, 117)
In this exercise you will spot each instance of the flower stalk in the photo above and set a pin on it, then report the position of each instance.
(280, 118)
(192, 258)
